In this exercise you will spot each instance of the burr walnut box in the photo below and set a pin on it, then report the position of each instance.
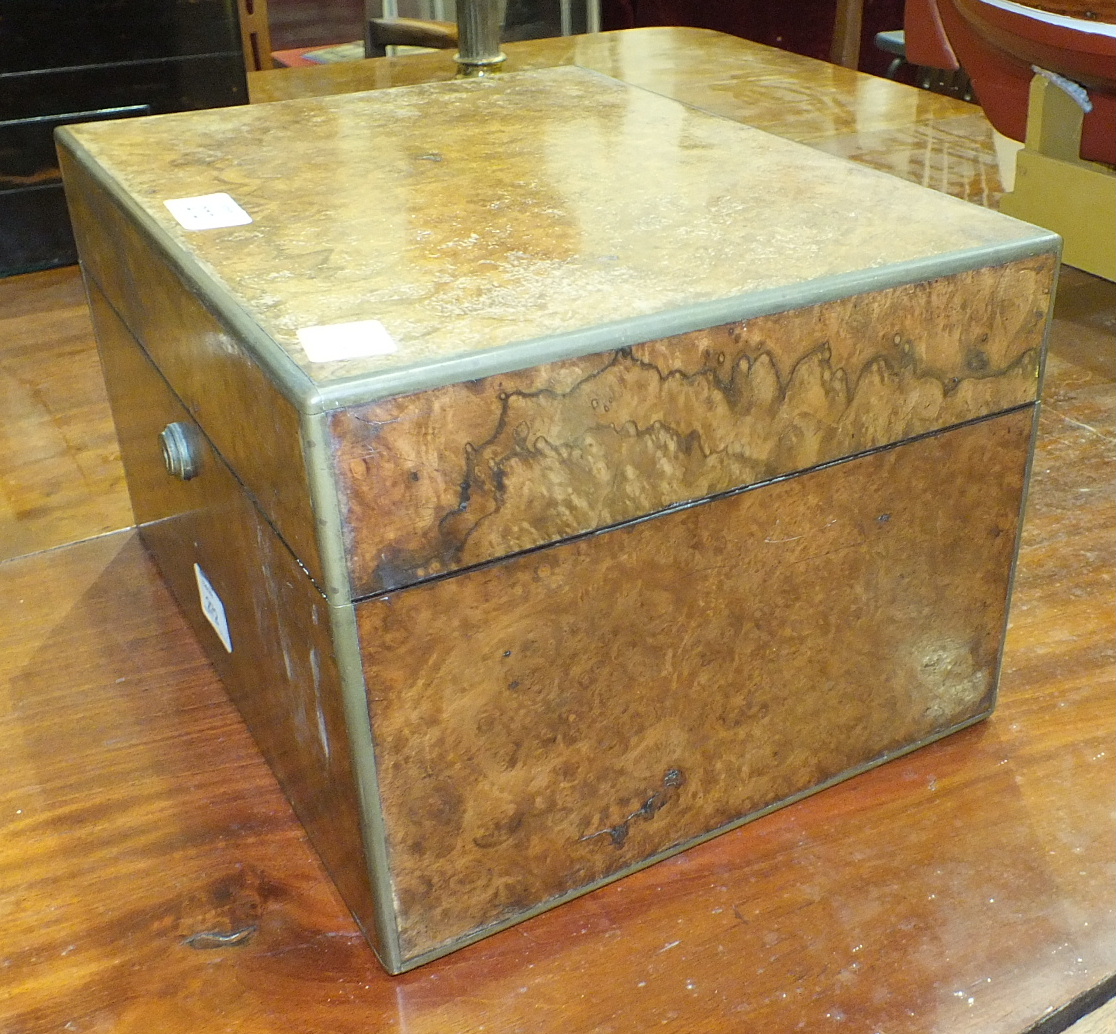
(558, 475)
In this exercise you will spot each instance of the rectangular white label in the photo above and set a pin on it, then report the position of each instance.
(213, 608)
(207, 212)
(356, 340)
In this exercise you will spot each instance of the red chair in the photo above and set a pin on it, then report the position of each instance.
(925, 38)
(922, 42)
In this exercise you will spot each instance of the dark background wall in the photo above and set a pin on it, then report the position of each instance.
(802, 26)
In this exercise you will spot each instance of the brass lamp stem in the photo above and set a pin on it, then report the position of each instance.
(478, 36)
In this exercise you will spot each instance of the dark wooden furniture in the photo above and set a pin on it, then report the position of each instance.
(381, 33)
(65, 61)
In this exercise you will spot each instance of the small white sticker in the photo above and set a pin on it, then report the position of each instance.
(213, 608)
(346, 341)
(208, 212)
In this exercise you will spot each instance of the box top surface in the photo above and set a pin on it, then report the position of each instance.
(498, 223)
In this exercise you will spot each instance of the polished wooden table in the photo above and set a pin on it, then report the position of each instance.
(930, 139)
(154, 878)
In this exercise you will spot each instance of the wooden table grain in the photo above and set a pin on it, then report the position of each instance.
(60, 472)
(153, 878)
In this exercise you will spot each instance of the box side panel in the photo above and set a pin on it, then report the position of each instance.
(547, 721)
(280, 670)
(453, 477)
(253, 426)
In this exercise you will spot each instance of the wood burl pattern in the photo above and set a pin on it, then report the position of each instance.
(553, 719)
(459, 475)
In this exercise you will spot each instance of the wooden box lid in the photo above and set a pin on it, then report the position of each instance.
(496, 224)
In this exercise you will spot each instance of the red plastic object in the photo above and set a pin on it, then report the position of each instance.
(997, 45)
(927, 44)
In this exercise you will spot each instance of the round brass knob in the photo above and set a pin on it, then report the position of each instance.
(180, 450)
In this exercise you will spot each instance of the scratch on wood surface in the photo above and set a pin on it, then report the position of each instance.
(221, 939)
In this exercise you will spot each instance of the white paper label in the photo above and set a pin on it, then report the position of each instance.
(346, 341)
(213, 608)
(208, 212)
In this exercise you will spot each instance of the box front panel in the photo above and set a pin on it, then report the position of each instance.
(554, 719)
(436, 482)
